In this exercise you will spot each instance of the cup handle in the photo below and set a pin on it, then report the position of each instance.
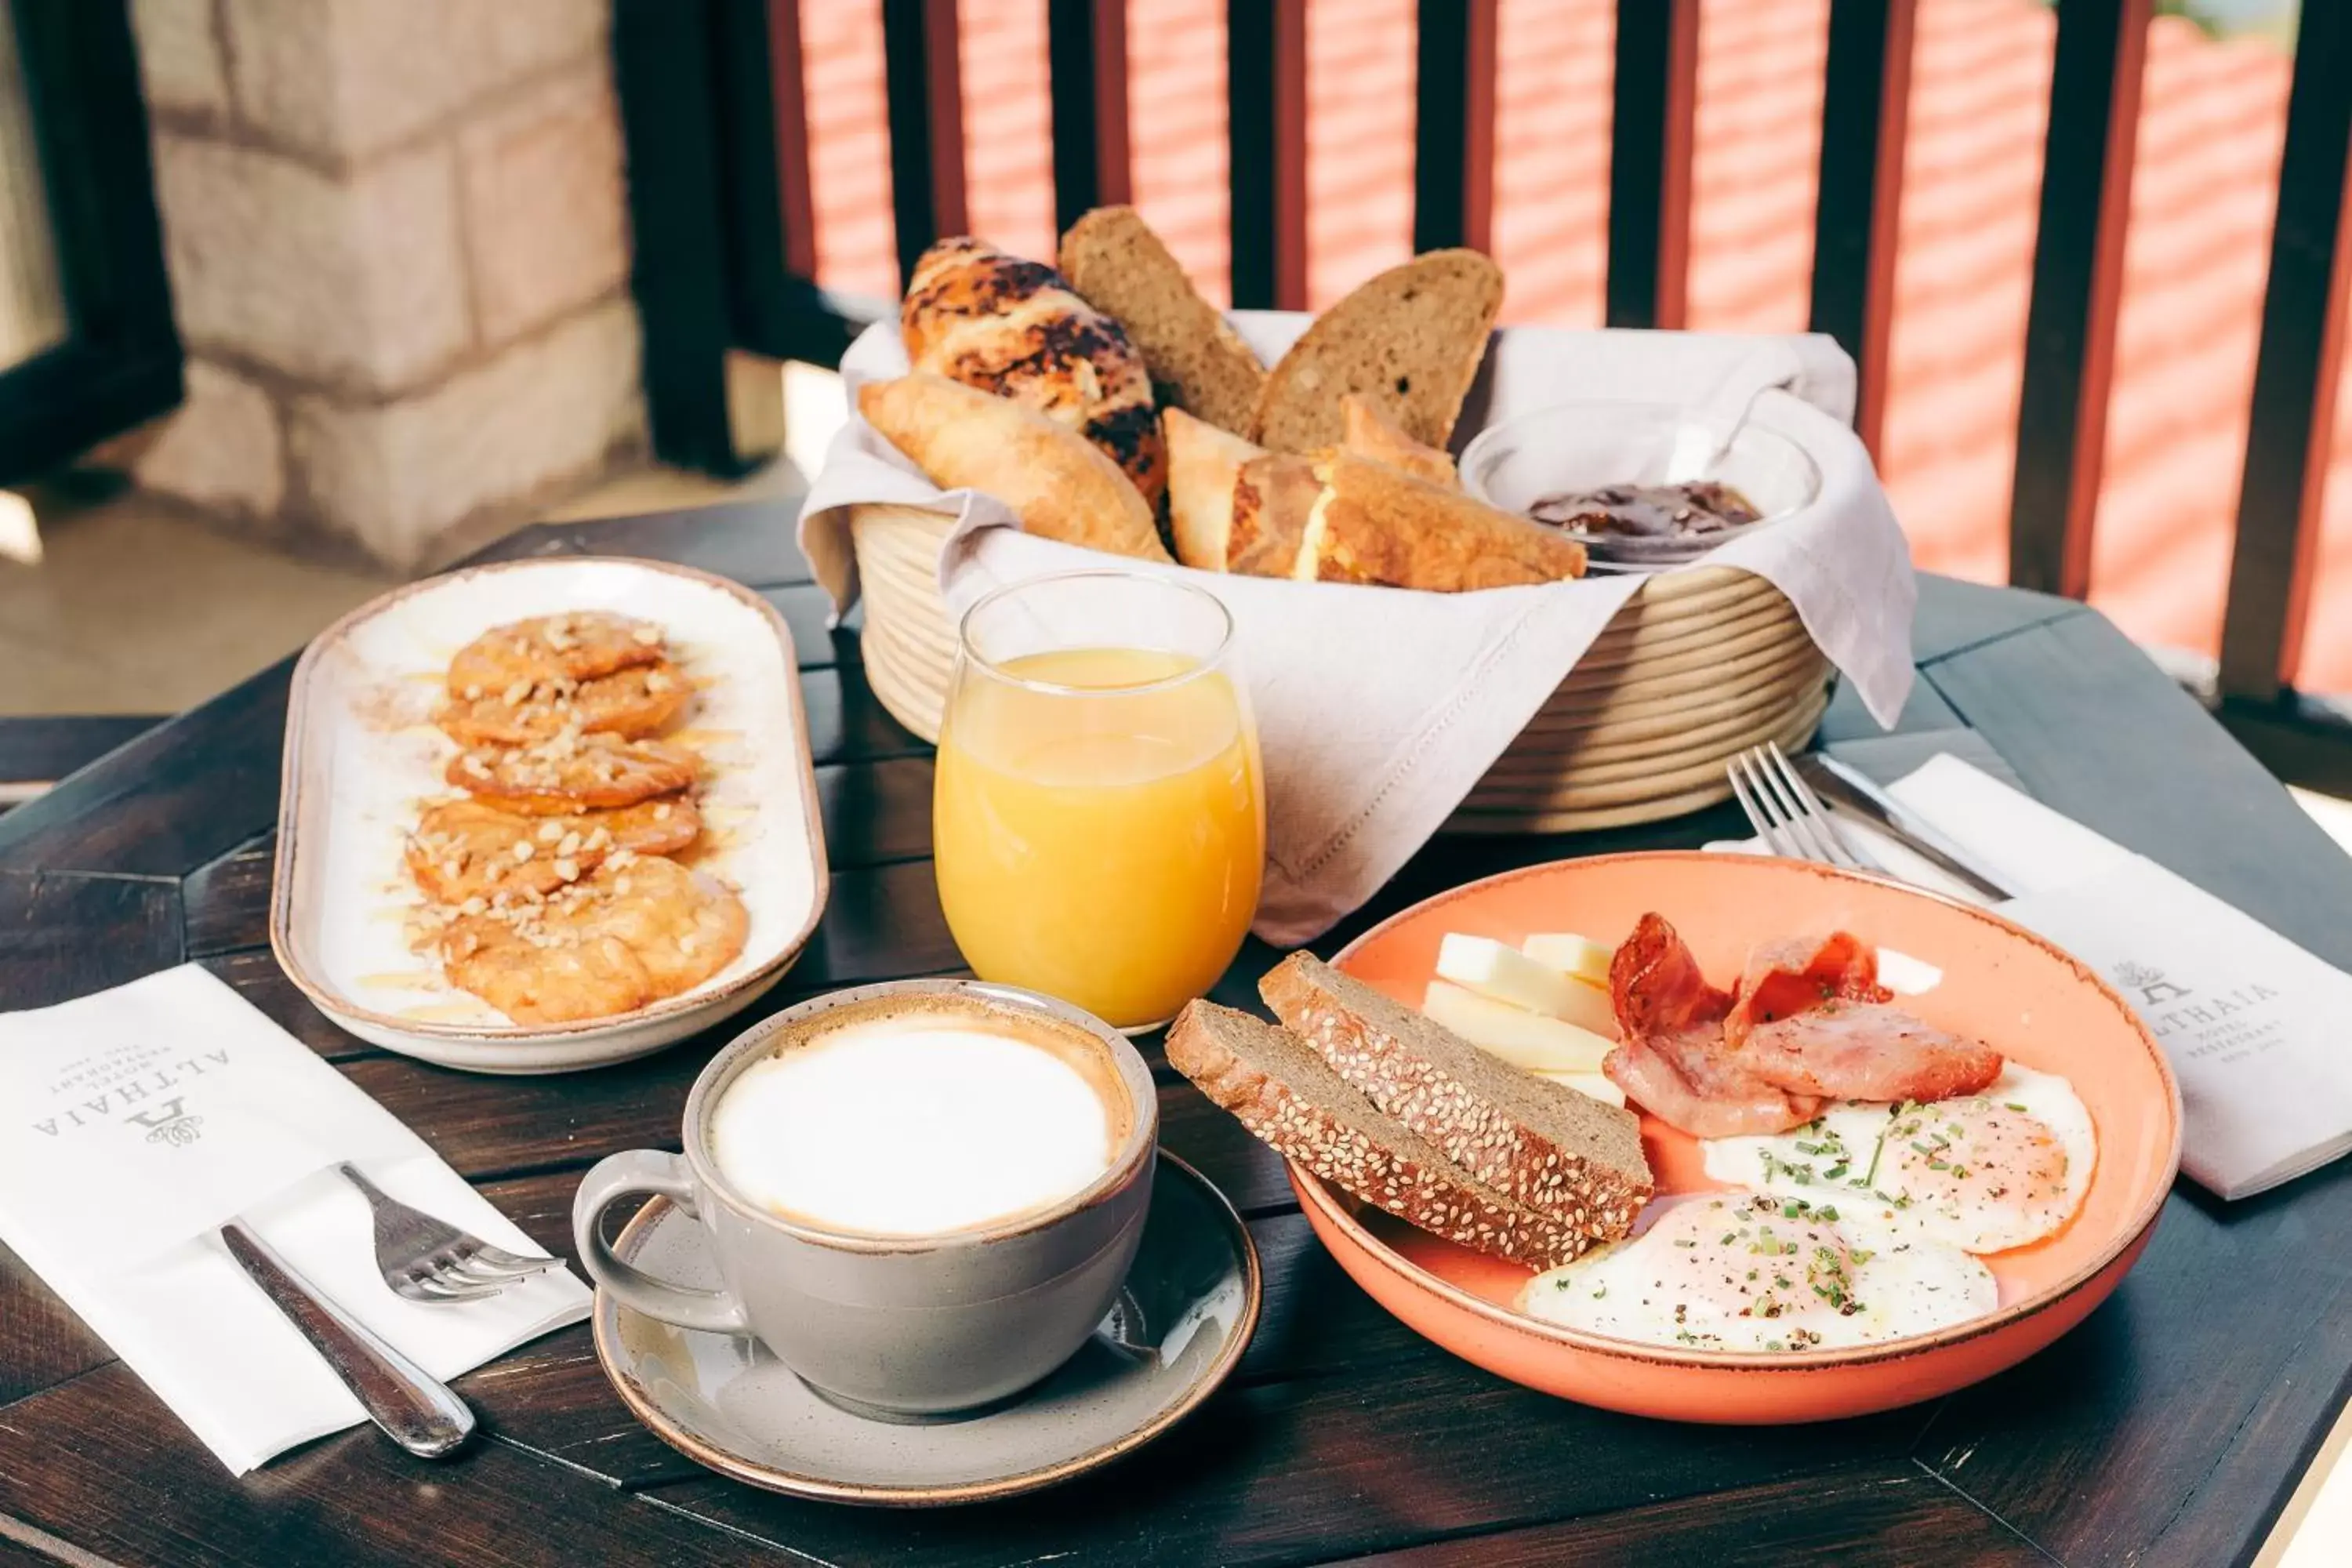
(618, 1176)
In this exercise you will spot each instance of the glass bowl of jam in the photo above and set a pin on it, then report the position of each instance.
(1600, 472)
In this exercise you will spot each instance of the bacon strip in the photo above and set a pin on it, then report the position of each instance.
(1866, 1050)
(1672, 1060)
(1808, 1022)
(1796, 974)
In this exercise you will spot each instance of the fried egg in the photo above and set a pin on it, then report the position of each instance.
(1983, 1172)
(1755, 1271)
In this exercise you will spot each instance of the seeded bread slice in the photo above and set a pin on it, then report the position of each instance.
(1558, 1151)
(1292, 1100)
(1200, 363)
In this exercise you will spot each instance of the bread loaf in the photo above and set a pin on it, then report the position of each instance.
(1198, 363)
(1374, 523)
(1016, 329)
(1410, 341)
(1290, 1099)
(1558, 1151)
(1060, 485)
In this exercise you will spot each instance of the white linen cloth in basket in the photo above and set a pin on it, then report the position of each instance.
(1379, 709)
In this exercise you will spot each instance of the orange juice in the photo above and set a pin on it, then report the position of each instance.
(1103, 844)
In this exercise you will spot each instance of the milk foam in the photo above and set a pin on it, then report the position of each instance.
(910, 1126)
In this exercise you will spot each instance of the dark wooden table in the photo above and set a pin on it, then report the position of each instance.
(2170, 1428)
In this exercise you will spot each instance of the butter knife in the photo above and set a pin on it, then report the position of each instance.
(1846, 787)
(415, 1409)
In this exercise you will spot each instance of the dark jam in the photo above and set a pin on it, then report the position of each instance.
(1691, 509)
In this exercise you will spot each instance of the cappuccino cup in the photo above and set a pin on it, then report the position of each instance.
(921, 1196)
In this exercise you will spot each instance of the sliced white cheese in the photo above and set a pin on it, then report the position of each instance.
(1571, 954)
(1506, 974)
(1905, 975)
(1522, 1038)
(1594, 1084)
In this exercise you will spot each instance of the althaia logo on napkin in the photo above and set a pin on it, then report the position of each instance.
(138, 1087)
(2250, 1022)
(135, 1118)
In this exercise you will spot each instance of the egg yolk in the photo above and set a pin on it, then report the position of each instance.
(1776, 1260)
(1975, 1157)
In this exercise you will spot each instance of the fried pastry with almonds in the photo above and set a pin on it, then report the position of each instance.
(571, 772)
(579, 645)
(638, 700)
(464, 849)
(635, 930)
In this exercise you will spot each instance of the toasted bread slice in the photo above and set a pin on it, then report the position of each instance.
(1558, 1151)
(1374, 523)
(1060, 484)
(1289, 1099)
(1410, 340)
(1119, 266)
(1369, 431)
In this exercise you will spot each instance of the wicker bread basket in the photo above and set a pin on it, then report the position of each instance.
(1698, 666)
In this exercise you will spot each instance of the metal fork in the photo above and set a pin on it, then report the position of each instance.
(426, 1259)
(1787, 815)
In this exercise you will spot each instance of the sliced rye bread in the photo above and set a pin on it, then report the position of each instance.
(1289, 1098)
(1119, 266)
(1409, 340)
(1555, 1151)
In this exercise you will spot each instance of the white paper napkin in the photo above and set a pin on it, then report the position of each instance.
(2251, 1023)
(140, 1118)
(1377, 710)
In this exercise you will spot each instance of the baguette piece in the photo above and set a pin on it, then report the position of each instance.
(1290, 1100)
(1369, 431)
(1410, 339)
(1558, 1151)
(1233, 506)
(1059, 484)
(1014, 328)
(1197, 362)
(1376, 524)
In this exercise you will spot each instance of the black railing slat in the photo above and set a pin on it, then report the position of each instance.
(1653, 92)
(2295, 370)
(1266, 121)
(1085, 43)
(1866, 100)
(1454, 124)
(921, 77)
(663, 71)
(2095, 95)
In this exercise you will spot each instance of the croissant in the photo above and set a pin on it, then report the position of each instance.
(1016, 328)
(1060, 486)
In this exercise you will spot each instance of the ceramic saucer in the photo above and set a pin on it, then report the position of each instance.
(1181, 1323)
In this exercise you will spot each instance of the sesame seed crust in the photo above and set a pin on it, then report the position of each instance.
(1573, 1159)
(1339, 1136)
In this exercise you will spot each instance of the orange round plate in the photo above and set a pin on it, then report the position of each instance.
(2001, 984)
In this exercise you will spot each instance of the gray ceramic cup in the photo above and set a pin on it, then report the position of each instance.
(900, 1327)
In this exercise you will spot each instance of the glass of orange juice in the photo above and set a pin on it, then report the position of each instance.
(1098, 817)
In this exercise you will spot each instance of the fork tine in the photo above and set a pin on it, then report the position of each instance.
(499, 1258)
(436, 1288)
(472, 1267)
(1857, 858)
(1802, 825)
(1763, 821)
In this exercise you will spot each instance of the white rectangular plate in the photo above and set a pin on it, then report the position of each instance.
(363, 759)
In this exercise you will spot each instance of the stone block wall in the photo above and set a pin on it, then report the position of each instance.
(399, 258)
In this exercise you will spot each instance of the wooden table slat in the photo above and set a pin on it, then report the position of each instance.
(1323, 1468)
(100, 1463)
(186, 792)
